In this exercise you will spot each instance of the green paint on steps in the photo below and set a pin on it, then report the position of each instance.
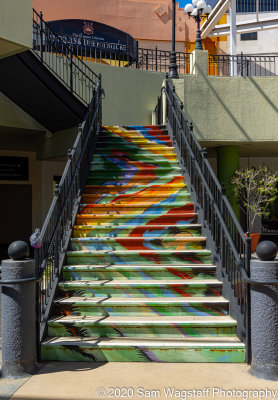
(148, 329)
(142, 288)
(143, 257)
(93, 351)
(148, 307)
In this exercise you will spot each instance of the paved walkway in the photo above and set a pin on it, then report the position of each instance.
(95, 381)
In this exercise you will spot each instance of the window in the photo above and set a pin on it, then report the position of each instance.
(249, 36)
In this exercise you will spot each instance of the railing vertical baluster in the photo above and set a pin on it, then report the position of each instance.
(41, 36)
(71, 72)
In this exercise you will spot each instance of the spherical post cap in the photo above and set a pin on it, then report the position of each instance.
(18, 250)
(266, 250)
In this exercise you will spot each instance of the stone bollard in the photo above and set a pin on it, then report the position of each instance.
(264, 313)
(18, 308)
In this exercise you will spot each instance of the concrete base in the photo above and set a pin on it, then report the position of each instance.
(92, 381)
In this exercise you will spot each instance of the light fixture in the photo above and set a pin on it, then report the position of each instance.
(198, 10)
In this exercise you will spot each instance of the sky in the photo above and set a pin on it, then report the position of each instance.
(182, 3)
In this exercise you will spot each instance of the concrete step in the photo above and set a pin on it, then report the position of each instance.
(150, 198)
(144, 149)
(228, 349)
(143, 288)
(141, 306)
(137, 141)
(144, 157)
(121, 163)
(123, 209)
(134, 179)
(142, 219)
(129, 188)
(131, 243)
(113, 169)
(135, 135)
(193, 230)
(131, 272)
(143, 327)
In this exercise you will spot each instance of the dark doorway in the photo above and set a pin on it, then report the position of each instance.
(15, 215)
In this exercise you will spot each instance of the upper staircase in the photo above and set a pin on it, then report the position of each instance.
(138, 284)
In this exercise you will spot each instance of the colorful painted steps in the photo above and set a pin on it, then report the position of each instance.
(139, 283)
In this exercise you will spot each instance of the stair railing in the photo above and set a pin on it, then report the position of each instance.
(57, 56)
(56, 231)
(231, 246)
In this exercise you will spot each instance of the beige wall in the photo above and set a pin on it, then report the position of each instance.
(161, 45)
(142, 19)
(15, 26)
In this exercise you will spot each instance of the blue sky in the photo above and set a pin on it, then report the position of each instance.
(182, 3)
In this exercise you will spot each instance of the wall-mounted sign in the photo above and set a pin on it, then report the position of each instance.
(14, 168)
(94, 35)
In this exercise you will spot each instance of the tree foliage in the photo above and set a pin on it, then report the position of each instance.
(256, 188)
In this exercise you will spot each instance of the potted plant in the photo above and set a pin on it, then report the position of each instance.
(256, 188)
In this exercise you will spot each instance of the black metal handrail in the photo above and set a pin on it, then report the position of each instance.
(242, 65)
(231, 246)
(56, 230)
(56, 55)
(136, 58)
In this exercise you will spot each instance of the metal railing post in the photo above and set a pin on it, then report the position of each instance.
(247, 300)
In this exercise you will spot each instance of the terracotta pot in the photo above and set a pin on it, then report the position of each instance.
(255, 240)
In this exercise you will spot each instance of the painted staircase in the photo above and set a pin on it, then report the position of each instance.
(138, 284)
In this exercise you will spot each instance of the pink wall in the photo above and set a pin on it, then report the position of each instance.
(139, 18)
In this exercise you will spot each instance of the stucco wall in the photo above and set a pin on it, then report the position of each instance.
(130, 95)
(15, 26)
(142, 19)
(230, 109)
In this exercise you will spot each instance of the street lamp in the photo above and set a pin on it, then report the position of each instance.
(173, 68)
(198, 10)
